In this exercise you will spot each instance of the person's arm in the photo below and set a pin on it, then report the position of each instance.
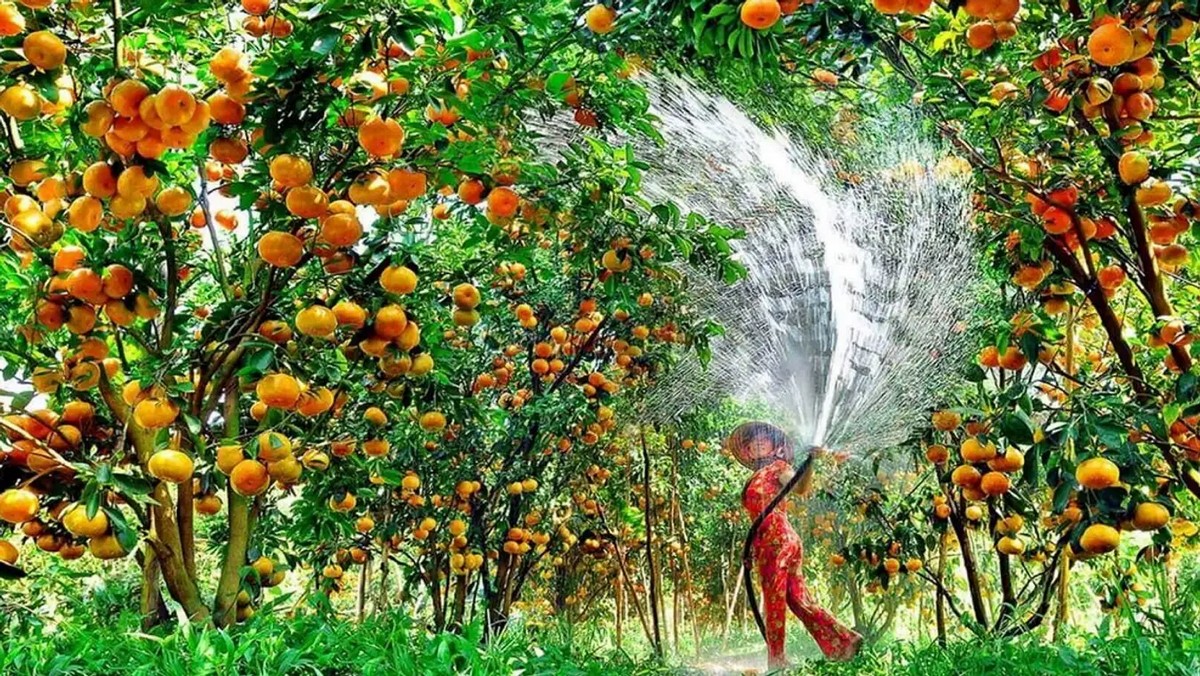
(804, 486)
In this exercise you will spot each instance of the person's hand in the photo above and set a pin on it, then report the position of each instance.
(818, 452)
(785, 475)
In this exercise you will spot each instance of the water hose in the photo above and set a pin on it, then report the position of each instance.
(747, 552)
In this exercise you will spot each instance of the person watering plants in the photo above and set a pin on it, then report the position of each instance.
(777, 549)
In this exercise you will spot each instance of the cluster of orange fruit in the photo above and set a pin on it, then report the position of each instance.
(913, 7)
(258, 24)
(995, 21)
(132, 120)
(274, 459)
(69, 532)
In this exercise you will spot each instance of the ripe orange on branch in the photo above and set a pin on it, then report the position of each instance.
(1100, 538)
(1110, 44)
(1097, 473)
(760, 14)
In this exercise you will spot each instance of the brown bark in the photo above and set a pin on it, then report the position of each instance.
(151, 602)
(655, 600)
(969, 566)
(940, 607)
(238, 516)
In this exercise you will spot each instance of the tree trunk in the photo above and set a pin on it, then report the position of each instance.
(185, 507)
(152, 609)
(1008, 604)
(675, 607)
(460, 602)
(229, 582)
(651, 570)
(972, 571)
(733, 602)
(940, 608)
(856, 604)
(1061, 617)
(360, 598)
(619, 599)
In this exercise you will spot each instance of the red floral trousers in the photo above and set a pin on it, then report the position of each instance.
(779, 555)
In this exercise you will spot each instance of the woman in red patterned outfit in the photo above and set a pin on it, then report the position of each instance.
(767, 450)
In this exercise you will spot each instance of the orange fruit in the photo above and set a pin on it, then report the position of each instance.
(937, 453)
(224, 109)
(1110, 44)
(21, 102)
(376, 448)
(229, 65)
(390, 321)
(433, 421)
(965, 476)
(290, 171)
(173, 201)
(171, 465)
(1111, 277)
(317, 321)
(760, 14)
(502, 202)
(12, 22)
(1010, 545)
(307, 201)
(280, 249)
(471, 191)
(1150, 516)
(44, 50)
(249, 477)
(273, 447)
(973, 450)
(398, 279)
(375, 416)
(1100, 538)
(1097, 473)
(600, 19)
(18, 505)
(994, 483)
(1011, 461)
(405, 184)
(174, 105)
(981, 35)
(228, 457)
(8, 551)
(946, 421)
(350, 314)
(380, 137)
(466, 296)
(279, 390)
(341, 230)
(155, 413)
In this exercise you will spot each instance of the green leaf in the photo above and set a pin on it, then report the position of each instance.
(942, 40)
(22, 399)
(556, 81)
(1171, 412)
(326, 42)
(132, 485)
(90, 497)
(193, 423)
(1017, 428)
(1062, 495)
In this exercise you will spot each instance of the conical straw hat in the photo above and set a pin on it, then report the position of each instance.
(739, 441)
